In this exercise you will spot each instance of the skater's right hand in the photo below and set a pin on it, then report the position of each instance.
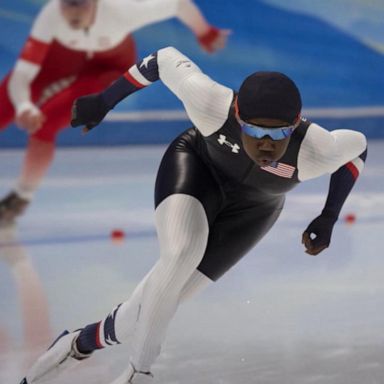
(88, 111)
(317, 236)
(31, 120)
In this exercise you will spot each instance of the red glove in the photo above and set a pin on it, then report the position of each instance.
(213, 39)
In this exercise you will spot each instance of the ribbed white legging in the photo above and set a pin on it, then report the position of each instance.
(182, 229)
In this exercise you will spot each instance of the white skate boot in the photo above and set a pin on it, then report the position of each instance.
(60, 356)
(132, 376)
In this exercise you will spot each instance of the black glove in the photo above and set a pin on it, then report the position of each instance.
(317, 236)
(88, 111)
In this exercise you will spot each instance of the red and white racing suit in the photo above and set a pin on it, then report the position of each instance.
(58, 63)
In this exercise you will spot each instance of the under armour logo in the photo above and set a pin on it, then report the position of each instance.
(223, 140)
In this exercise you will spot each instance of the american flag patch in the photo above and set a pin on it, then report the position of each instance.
(280, 169)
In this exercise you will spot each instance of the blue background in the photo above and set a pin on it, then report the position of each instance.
(333, 68)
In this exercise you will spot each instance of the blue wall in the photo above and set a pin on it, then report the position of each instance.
(333, 68)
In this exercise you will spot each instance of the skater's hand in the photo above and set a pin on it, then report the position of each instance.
(31, 120)
(213, 39)
(317, 236)
(88, 111)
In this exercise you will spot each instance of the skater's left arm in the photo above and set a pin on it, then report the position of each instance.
(206, 102)
(341, 153)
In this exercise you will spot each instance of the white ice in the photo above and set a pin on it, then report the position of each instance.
(279, 316)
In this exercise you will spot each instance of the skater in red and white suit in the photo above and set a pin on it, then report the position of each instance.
(77, 47)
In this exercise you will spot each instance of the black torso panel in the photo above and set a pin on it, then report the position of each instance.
(224, 153)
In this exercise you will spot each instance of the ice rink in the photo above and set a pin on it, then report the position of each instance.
(280, 316)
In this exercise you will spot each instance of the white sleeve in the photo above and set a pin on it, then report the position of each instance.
(19, 86)
(43, 28)
(28, 65)
(190, 14)
(139, 14)
(323, 152)
(206, 102)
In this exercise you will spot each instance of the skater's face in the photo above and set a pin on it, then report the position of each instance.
(266, 140)
(79, 14)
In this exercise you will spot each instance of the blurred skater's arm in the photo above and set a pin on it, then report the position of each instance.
(28, 66)
(142, 13)
(27, 115)
(209, 37)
